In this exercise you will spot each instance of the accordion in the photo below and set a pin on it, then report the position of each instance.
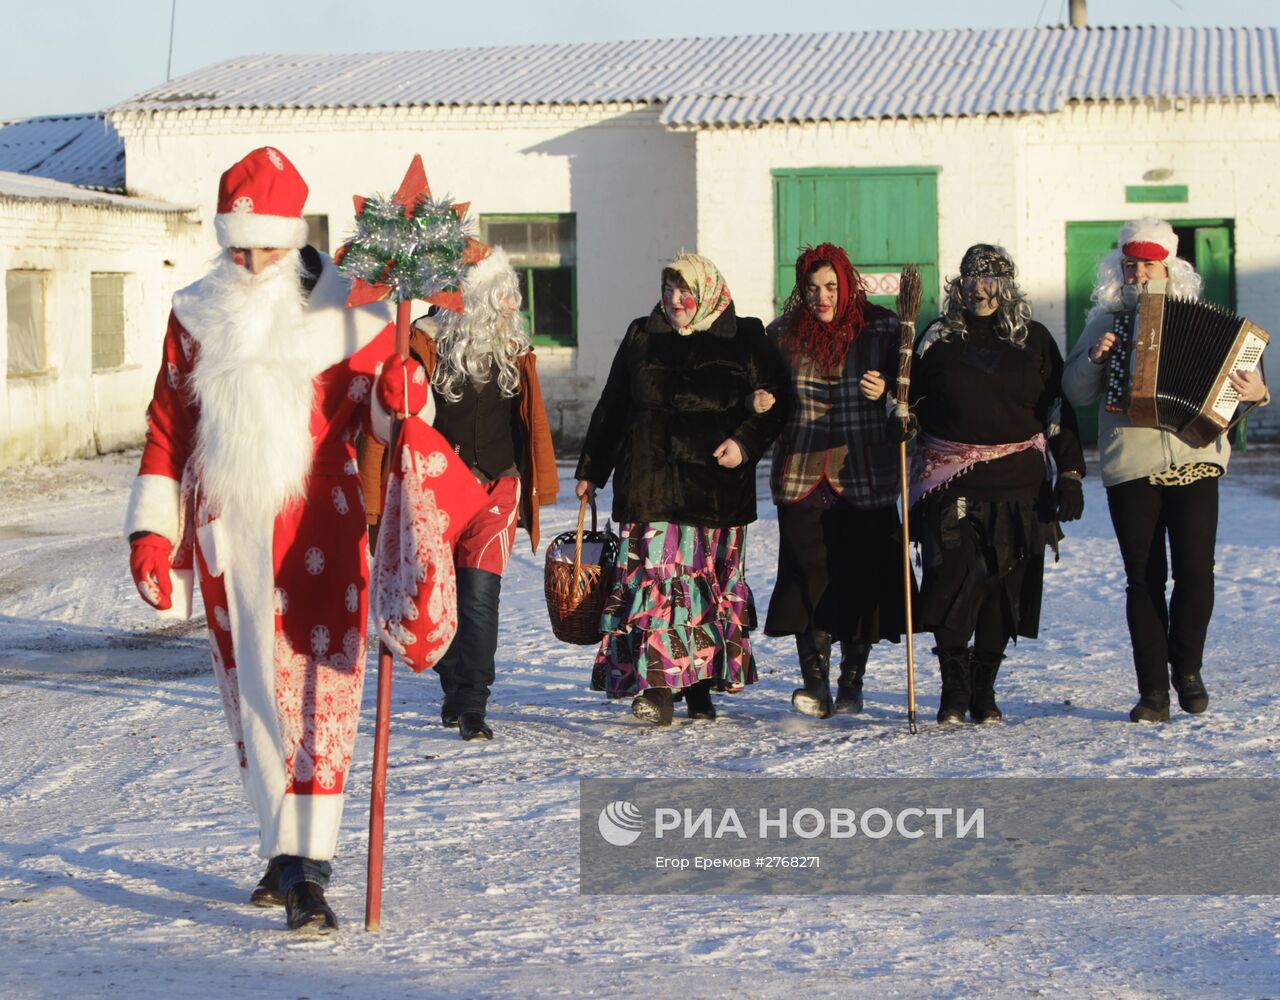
(1169, 368)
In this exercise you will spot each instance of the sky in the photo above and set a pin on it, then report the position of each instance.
(66, 56)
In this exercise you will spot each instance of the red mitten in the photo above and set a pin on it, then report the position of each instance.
(397, 374)
(149, 564)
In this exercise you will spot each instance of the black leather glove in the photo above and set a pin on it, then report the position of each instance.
(903, 431)
(1068, 498)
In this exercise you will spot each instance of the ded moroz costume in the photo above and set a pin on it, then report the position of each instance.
(249, 477)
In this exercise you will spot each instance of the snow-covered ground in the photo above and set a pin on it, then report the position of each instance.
(127, 848)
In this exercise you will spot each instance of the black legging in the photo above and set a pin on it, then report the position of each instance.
(1144, 515)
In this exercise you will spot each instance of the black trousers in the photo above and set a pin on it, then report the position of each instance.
(467, 668)
(1168, 635)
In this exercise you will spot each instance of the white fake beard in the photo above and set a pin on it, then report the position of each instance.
(255, 388)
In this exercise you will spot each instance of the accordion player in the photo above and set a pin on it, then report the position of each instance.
(1171, 364)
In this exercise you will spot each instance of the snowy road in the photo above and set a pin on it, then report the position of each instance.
(127, 848)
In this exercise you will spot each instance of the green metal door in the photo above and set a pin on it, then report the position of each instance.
(1087, 243)
(884, 218)
(1207, 243)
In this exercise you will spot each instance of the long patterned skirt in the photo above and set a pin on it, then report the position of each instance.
(679, 612)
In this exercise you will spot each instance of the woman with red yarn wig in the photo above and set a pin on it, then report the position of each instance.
(835, 480)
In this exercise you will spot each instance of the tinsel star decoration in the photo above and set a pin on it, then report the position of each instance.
(409, 246)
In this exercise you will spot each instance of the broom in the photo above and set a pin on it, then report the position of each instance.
(909, 293)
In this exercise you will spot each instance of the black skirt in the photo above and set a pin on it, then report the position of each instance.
(970, 548)
(839, 571)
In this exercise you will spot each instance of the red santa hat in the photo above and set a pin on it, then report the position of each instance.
(260, 203)
(1148, 239)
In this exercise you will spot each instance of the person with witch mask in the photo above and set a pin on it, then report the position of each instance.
(998, 464)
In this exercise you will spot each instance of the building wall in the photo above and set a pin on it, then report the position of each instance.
(70, 410)
(1018, 182)
(641, 192)
(628, 180)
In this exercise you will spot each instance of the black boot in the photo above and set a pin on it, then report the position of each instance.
(305, 909)
(653, 705)
(1153, 694)
(267, 891)
(1150, 708)
(814, 649)
(697, 700)
(953, 664)
(448, 715)
(471, 726)
(853, 664)
(1192, 696)
(983, 668)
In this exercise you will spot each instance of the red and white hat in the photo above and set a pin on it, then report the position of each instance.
(1148, 239)
(260, 203)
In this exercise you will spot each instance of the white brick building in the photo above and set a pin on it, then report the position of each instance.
(597, 162)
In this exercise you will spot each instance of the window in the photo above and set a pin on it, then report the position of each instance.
(318, 231)
(107, 291)
(544, 253)
(24, 321)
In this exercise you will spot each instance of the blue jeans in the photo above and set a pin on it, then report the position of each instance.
(294, 870)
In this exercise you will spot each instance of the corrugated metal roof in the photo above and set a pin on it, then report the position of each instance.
(753, 79)
(27, 187)
(77, 149)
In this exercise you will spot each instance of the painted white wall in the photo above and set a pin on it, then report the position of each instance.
(69, 409)
(628, 180)
(1018, 182)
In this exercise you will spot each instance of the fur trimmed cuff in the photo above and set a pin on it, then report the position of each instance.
(153, 506)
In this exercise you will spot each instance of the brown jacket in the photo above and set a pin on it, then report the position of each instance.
(535, 456)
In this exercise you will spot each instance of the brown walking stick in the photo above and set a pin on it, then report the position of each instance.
(909, 291)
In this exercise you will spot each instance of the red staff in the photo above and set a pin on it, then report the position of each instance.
(406, 247)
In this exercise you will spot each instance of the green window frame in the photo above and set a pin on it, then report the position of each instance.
(543, 248)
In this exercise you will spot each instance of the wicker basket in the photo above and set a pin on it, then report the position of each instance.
(576, 590)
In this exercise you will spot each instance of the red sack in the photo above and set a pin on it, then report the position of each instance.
(431, 495)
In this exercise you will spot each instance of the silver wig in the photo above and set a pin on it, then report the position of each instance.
(480, 343)
(993, 264)
(1183, 282)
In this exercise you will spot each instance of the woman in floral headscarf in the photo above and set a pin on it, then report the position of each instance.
(676, 427)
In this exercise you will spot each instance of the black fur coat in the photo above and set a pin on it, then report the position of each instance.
(668, 404)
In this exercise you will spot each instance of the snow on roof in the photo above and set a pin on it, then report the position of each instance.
(753, 79)
(77, 149)
(25, 187)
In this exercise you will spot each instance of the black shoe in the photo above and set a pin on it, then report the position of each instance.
(306, 910)
(653, 705)
(697, 700)
(983, 668)
(1192, 696)
(853, 665)
(1150, 709)
(814, 650)
(448, 716)
(471, 726)
(267, 891)
(953, 664)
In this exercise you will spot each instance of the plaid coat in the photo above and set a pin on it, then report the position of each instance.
(832, 429)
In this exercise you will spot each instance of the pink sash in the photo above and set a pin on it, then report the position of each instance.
(936, 462)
